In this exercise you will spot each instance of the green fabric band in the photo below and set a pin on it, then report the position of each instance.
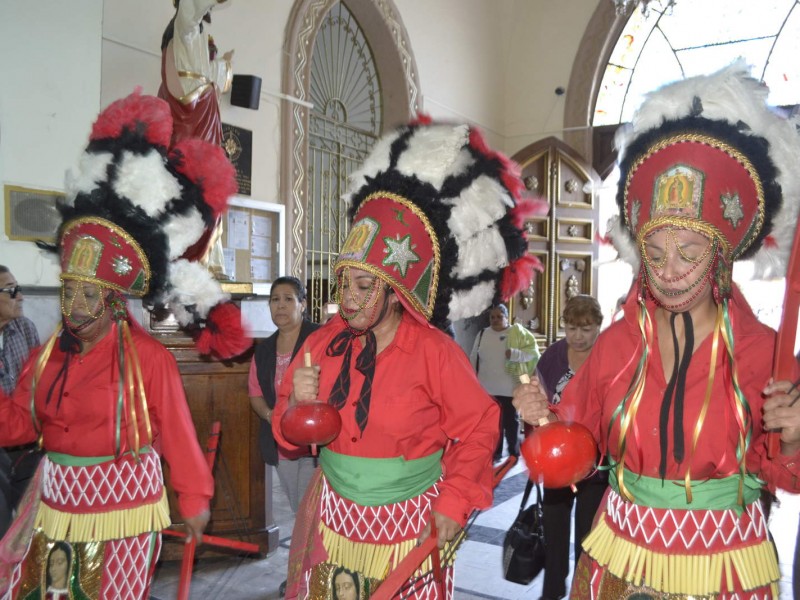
(379, 481)
(711, 494)
(85, 461)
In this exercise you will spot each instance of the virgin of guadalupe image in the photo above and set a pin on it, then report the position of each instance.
(348, 585)
(60, 576)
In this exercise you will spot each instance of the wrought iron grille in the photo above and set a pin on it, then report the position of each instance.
(343, 126)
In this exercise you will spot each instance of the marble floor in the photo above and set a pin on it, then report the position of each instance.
(478, 571)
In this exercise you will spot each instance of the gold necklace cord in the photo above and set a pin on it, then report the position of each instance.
(41, 362)
(629, 416)
(137, 366)
(698, 426)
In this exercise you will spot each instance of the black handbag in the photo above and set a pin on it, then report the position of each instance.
(523, 546)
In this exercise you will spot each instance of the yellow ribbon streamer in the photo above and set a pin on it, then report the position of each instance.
(698, 426)
(137, 380)
(41, 363)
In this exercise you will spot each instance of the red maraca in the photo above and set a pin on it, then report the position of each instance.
(311, 423)
(558, 454)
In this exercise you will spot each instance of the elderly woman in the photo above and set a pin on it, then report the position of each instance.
(418, 430)
(501, 353)
(558, 365)
(677, 392)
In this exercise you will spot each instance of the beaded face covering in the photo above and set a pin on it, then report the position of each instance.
(93, 307)
(365, 299)
(672, 287)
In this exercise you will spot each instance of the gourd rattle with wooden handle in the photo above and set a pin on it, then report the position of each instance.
(558, 454)
(311, 423)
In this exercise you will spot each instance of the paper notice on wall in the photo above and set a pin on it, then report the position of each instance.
(256, 316)
(260, 269)
(262, 226)
(238, 229)
(229, 256)
(261, 246)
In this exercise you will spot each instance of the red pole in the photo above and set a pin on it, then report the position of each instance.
(413, 561)
(784, 361)
(187, 562)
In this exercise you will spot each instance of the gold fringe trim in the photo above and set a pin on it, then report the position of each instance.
(372, 560)
(687, 574)
(101, 526)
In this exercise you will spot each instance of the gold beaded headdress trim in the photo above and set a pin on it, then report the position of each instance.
(701, 227)
(713, 216)
(371, 258)
(107, 255)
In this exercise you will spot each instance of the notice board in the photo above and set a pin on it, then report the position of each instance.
(253, 242)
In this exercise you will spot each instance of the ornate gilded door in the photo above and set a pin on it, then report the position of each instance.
(564, 239)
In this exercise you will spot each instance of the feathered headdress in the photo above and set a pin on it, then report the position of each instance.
(138, 215)
(438, 215)
(707, 153)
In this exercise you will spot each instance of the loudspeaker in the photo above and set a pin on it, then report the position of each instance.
(31, 214)
(246, 91)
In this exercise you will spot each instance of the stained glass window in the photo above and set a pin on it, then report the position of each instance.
(701, 36)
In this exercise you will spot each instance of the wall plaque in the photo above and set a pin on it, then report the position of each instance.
(238, 145)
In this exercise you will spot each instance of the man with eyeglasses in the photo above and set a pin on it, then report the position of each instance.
(18, 337)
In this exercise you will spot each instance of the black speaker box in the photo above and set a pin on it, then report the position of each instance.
(246, 91)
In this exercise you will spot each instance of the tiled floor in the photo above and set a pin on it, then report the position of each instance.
(478, 573)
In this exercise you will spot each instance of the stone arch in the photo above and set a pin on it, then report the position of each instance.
(383, 27)
(598, 42)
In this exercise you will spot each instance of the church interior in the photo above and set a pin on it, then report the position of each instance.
(315, 84)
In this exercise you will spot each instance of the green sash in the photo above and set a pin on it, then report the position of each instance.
(379, 481)
(710, 494)
(69, 460)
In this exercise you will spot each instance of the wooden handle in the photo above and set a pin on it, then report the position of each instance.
(525, 378)
(307, 363)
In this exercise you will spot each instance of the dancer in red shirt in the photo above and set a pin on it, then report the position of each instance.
(418, 431)
(103, 397)
(677, 391)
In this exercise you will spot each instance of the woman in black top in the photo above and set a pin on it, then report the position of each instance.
(287, 305)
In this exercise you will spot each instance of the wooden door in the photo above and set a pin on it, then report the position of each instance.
(564, 239)
(217, 391)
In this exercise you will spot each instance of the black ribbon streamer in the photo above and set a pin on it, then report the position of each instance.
(340, 345)
(676, 388)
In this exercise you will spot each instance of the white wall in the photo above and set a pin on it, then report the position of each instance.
(461, 48)
(544, 38)
(49, 95)
(495, 63)
(252, 28)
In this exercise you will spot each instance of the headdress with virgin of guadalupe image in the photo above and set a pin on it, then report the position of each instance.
(437, 215)
(134, 209)
(706, 154)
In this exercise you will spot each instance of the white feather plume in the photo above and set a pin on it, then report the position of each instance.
(92, 169)
(192, 285)
(145, 181)
(182, 231)
(623, 242)
(435, 153)
(376, 162)
(472, 302)
(484, 250)
(477, 207)
(730, 92)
